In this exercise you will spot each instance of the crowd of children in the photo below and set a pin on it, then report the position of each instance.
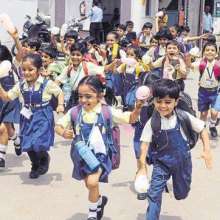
(95, 86)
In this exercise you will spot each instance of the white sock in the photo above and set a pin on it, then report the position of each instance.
(13, 137)
(99, 204)
(3, 149)
(92, 209)
(212, 123)
(17, 142)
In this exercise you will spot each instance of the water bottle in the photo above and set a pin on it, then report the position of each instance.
(67, 90)
(87, 155)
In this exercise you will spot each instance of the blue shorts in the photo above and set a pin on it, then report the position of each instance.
(206, 99)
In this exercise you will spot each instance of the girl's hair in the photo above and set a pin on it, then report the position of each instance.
(99, 87)
(165, 87)
(173, 42)
(5, 53)
(129, 23)
(35, 58)
(122, 27)
(90, 40)
(115, 35)
(147, 25)
(50, 51)
(33, 42)
(209, 44)
(186, 28)
(71, 34)
(136, 50)
(81, 47)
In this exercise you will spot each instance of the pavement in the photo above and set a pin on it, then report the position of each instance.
(56, 196)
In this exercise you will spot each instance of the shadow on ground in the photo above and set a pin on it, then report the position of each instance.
(81, 216)
(15, 161)
(162, 217)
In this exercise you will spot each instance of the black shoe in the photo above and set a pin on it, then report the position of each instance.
(34, 174)
(213, 132)
(217, 122)
(141, 196)
(44, 165)
(18, 150)
(2, 163)
(102, 206)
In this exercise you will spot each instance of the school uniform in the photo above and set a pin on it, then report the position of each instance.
(84, 128)
(208, 86)
(170, 155)
(36, 131)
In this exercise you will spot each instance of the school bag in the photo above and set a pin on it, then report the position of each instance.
(216, 68)
(112, 132)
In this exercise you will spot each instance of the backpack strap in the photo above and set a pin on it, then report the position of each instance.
(202, 67)
(75, 113)
(85, 68)
(155, 122)
(107, 116)
(216, 70)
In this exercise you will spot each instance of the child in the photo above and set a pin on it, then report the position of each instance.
(208, 84)
(130, 34)
(8, 118)
(36, 121)
(91, 92)
(170, 147)
(145, 36)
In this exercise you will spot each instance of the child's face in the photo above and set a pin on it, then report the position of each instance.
(210, 53)
(173, 31)
(110, 40)
(89, 45)
(88, 98)
(31, 73)
(130, 28)
(154, 43)
(147, 31)
(120, 32)
(131, 53)
(70, 41)
(172, 50)
(46, 59)
(163, 41)
(76, 58)
(165, 106)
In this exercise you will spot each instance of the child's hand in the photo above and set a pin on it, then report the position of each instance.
(207, 156)
(60, 109)
(141, 171)
(68, 134)
(140, 103)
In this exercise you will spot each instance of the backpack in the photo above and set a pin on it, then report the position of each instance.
(112, 131)
(216, 68)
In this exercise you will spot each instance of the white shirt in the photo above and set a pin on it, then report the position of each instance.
(170, 123)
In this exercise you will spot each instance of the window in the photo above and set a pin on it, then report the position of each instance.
(148, 8)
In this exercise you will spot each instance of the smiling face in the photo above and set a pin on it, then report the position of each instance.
(110, 40)
(88, 97)
(46, 59)
(31, 73)
(210, 53)
(165, 106)
(76, 58)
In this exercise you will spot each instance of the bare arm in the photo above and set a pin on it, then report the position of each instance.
(136, 112)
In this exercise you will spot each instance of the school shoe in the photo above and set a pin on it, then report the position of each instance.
(102, 206)
(18, 150)
(44, 164)
(2, 163)
(213, 132)
(217, 122)
(92, 218)
(34, 174)
(141, 196)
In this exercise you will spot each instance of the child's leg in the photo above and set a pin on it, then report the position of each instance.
(34, 157)
(92, 184)
(212, 125)
(204, 115)
(159, 178)
(3, 143)
(44, 158)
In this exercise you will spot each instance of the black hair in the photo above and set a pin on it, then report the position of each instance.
(129, 23)
(90, 40)
(147, 25)
(211, 38)
(153, 38)
(96, 83)
(137, 51)
(71, 34)
(81, 47)
(173, 42)
(209, 44)
(115, 34)
(34, 42)
(95, 2)
(186, 28)
(164, 33)
(50, 51)
(165, 87)
(122, 26)
(36, 59)
(5, 53)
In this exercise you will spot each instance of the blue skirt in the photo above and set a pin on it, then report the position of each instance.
(81, 169)
(37, 134)
(14, 115)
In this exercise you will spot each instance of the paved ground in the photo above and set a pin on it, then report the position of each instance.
(56, 196)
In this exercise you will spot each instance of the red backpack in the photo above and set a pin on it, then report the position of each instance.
(216, 68)
(112, 132)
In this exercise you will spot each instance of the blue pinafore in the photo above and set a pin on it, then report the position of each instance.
(12, 116)
(81, 169)
(37, 133)
(171, 157)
